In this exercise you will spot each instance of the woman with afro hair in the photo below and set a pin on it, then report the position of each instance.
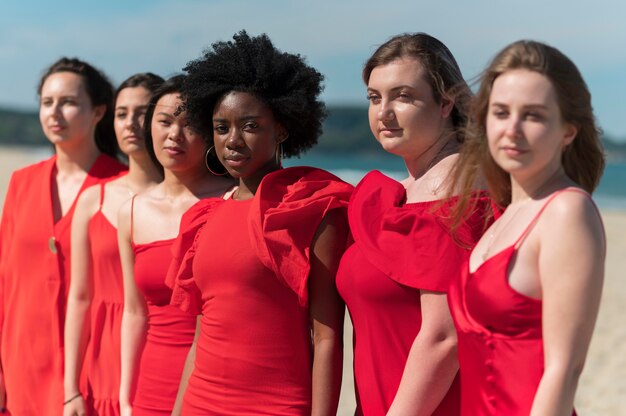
(260, 266)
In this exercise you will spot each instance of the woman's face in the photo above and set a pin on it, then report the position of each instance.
(525, 131)
(246, 135)
(403, 114)
(176, 146)
(130, 109)
(66, 113)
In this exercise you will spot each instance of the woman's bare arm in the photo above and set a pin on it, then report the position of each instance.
(77, 328)
(571, 271)
(327, 313)
(134, 317)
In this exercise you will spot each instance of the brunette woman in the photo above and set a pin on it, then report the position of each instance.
(395, 276)
(96, 285)
(76, 113)
(156, 336)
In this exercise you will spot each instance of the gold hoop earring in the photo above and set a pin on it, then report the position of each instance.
(279, 155)
(207, 161)
(279, 151)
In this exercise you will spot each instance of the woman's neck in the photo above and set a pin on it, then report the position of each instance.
(537, 186)
(180, 184)
(142, 172)
(444, 146)
(76, 159)
(249, 185)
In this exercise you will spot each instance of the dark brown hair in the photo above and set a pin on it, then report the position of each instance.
(100, 92)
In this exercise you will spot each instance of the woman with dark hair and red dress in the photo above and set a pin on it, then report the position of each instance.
(526, 304)
(96, 298)
(76, 113)
(259, 267)
(406, 250)
(156, 337)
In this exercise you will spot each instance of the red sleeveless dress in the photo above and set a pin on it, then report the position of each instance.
(500, 342)
(170, 332)
(399, 249)
(246, 272)
(34, 283)
(102, 359)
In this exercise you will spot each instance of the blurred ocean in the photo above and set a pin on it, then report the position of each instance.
(610, 195)
(351, 167)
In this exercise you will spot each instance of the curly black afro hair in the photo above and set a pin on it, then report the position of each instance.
(253, 65)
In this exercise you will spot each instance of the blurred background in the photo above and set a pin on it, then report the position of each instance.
(125, 37)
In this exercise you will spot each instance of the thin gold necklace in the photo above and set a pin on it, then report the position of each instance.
(128, 187)
(521, 204)
(500, 229)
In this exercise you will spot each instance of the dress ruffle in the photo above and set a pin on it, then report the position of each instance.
(185, 293)
(288, 208)
(412, 243)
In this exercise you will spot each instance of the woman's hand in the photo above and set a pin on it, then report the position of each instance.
(126, 409)
(76, 407)
(3, 393)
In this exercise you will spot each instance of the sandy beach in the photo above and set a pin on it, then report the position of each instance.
(602, 389)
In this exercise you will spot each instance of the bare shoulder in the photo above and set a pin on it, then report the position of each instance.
(573, 203)
(89, 199)
(123, 216)
(573, 209)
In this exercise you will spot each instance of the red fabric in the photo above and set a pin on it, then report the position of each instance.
(102, 358)
(399, 249)
(254, 352)
(169, 337)
(185, 293)
(35, 282)
(500, 342)
(281, 244)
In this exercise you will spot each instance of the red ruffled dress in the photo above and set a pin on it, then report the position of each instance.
(169, 336)
(399, 249)
(500, 341)
(102, 358)
(34, 283)
(246, 272)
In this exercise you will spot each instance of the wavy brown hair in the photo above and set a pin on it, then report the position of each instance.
(583, 159)
(442, 71)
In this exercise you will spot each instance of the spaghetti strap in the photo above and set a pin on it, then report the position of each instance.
(536, 217)
(132, 211)
(101, 196)
(228, 194)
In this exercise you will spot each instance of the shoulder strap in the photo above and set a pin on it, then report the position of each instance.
(536, 217)
(228, 194)
(101, 196)
(132, 212)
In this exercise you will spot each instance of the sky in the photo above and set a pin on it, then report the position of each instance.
(122, 37)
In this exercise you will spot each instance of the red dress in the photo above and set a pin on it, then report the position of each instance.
(170, 332)
(102, 359)
(247, 273)
(500, 342)
(34, 274)
(399, 249)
